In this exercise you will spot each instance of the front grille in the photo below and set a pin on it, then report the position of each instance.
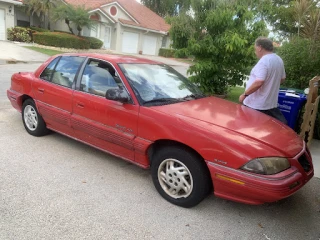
(303, 160)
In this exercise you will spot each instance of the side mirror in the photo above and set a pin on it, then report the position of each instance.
(117, 95)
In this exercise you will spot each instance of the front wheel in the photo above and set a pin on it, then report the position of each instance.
(180, 176)
(32, 121)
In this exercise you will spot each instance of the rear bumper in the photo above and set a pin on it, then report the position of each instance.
(240, 186)
(15, 99)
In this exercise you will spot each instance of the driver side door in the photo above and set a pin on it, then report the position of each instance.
(106, 124)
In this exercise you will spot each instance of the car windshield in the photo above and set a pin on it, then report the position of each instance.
(156, 84)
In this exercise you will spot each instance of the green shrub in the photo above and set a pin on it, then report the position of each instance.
(60, 31)
(19, 34)
(95, 43)
(166, 52)
(58, 39)
(301, 58)
(37, 29)
(181, 53)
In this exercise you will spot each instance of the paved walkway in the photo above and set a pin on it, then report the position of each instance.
(17, 52)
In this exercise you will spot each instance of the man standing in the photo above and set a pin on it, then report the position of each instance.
(262, 88)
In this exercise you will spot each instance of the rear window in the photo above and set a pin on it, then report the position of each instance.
(62, 71)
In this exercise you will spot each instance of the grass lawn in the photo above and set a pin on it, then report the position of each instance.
(49, 52)
(234, 94)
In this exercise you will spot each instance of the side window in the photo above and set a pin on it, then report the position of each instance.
(48, 71)
(66, 70)
(98, 77)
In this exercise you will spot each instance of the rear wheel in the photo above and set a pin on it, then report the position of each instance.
(180, 176)
(32, 121)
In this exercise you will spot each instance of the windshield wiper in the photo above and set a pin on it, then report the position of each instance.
(162, 100)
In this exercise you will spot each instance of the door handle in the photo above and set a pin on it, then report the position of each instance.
(80, 105)
(41, 90)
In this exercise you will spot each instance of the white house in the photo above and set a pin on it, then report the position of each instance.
(123, 25)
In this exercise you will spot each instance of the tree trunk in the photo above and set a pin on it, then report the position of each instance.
(48, 18)
(68, 23)
(79, 30)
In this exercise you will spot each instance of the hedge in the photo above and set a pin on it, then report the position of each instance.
(165, 52)
(37, 29)
(63, 40)
(95, 43)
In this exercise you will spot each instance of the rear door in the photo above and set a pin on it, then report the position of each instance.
(53, 92)
(106, 124)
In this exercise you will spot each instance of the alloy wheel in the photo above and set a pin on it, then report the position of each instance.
(175, 178)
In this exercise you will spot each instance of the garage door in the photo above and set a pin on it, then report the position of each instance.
(149, 45)
(130, 42)
(2, 25)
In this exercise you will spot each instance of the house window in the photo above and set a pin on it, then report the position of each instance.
(113, 11)
(21, 23)
(164, 42)
(95, 17)
(94, 31)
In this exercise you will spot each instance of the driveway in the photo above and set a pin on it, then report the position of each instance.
(15, 52)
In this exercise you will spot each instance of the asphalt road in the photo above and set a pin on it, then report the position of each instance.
(56, 188)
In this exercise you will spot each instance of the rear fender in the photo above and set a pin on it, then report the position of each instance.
(22, 83)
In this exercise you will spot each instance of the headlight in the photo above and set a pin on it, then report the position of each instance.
(267, 166)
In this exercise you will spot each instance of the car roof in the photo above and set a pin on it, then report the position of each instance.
(113, 58)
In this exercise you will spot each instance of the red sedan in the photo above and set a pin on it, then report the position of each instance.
(147, 113)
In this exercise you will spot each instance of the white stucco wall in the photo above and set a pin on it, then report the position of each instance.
(9, 16)
(62, 26)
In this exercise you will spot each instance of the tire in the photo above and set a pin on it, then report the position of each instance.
(32, 120)
(180, 176)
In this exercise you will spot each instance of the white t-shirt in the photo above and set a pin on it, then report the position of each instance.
(270, 69)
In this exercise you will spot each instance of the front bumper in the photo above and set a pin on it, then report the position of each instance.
(238, 185)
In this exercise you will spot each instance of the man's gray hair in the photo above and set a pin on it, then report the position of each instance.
(265, 43)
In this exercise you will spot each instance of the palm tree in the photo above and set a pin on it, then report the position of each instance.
(301, 9)
(77, 16)
(311, 25)
(62, 13)
(40, 7)
(307, 16)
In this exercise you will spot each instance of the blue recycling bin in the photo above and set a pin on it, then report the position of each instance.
(290, 103)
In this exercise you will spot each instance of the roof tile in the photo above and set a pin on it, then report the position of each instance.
(143, 15)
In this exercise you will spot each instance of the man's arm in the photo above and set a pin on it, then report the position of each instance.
(254, 87)
(282, 80)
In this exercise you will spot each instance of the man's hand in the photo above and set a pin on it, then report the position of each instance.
(241, 98)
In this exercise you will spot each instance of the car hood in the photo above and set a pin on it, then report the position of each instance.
(239, 119)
